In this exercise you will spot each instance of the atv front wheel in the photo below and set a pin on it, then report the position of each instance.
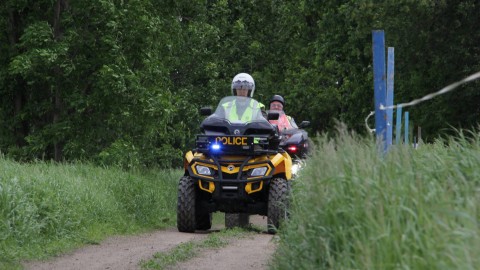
(277, 203)
(236, 220)
(186, 205)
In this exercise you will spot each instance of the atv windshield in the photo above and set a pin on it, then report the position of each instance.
(239, 110)
(238, 116)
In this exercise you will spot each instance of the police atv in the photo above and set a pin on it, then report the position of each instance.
(237, 168)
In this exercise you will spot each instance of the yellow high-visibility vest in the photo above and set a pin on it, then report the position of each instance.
(231, 111)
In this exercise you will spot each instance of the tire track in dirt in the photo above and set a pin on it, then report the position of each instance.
(126, 252)
(117, 253)
(253, 252)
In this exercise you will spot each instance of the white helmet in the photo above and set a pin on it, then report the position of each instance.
(243, 81)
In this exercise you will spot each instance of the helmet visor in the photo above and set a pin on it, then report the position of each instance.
(242, 85)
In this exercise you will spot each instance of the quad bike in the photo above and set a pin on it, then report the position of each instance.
(295, 142)
(237, 168)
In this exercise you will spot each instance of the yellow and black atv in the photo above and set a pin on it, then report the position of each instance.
(237, 168)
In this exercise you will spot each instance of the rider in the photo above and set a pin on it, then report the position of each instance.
(242, 109)
(277, 103)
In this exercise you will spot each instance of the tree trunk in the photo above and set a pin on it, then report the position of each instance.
(21, 128)
(60, 6)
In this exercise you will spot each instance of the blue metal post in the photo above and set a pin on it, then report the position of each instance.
(390, 76)
(398, 133)
(407, 141)
(379, 84)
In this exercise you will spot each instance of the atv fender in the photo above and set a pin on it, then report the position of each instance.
(188, 158)
(282, 162)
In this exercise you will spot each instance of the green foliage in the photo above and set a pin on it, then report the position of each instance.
(107, 77)
(415, 209)
(47, 208)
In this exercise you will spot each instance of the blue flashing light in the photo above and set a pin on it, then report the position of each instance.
(215, 147)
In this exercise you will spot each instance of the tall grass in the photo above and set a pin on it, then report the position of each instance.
(47, 208)
(411, 209)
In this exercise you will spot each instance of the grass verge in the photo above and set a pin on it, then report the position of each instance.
(354, 208)
(48, 208)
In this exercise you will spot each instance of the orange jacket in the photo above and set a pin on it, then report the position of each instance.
(283, 122)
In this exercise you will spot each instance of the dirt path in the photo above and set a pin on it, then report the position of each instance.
(250, 253)
(126, 252)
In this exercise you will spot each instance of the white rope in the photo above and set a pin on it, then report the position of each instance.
(371, 130)
(442, 91)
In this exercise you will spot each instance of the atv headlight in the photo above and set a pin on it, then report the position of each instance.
(295, 168)
(203, 170)
(259, 171)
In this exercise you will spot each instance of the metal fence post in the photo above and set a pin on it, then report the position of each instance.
(379, 85)
(398, 125)
(390, 76)
(407, 141)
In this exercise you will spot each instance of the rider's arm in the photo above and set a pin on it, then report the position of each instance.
(292, 121)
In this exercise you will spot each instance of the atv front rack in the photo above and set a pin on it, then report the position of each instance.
(234, 145)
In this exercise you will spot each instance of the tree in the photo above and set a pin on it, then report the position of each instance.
(121, 82)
